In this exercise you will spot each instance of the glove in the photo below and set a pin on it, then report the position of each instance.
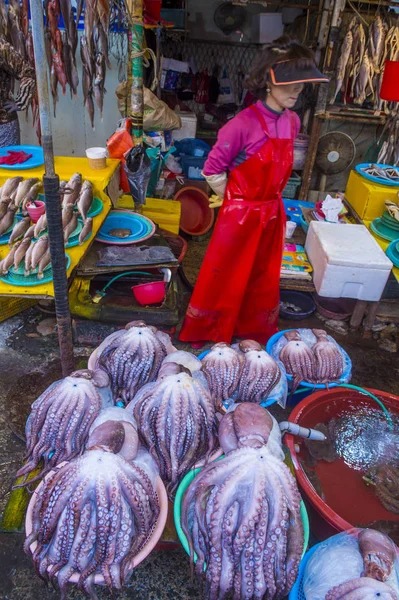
(10, 106)
(215, 201)
(217, 182)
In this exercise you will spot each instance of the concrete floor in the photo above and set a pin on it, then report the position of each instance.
(28, 364)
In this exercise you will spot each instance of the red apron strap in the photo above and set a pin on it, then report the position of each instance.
(260, 118)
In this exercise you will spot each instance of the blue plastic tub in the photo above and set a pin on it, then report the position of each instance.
(297, 592)
(311, 387)
(192, 166)
(192, 147)
(293, 209)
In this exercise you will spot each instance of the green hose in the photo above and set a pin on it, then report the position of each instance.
(123, 275)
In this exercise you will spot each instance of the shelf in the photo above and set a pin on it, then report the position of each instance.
(352, 115)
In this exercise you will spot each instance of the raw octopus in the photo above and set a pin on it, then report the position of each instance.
(58, 426)
(385, 478)
(176, 422)
(329, 361)
(92, 516)
(298, 359)
(131, 357)
(378, 554)
(363, 588)
(222, 367)
(260, 373)
(241, 516)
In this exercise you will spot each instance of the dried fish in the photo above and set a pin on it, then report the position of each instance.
(19, 230)
(23, 189)
(70, 227)
(72, 190)
(41, 225)
(31, 232)
(10, 186)
(8, 261)
(86, 231)
(99, 81)
(28, 258)
(39, 250)
(364, 81)
(32, 195)
(21, 251)
(85, 199)
(8, 219)
(4, 202)
(342, 63)
(44, 262)
(67, 213)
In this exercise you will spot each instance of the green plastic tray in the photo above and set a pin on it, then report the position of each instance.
(177, 513)
(17, 277)
(95, 209)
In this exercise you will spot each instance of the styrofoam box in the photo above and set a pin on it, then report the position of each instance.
(188, 126)
(347, 261)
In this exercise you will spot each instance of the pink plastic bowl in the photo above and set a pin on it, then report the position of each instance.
(149, 293)
(35, 211)
(144, 552)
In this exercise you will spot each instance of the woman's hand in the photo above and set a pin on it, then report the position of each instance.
(215, 201)
(10, 106)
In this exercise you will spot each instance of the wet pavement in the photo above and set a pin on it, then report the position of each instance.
(29, 362)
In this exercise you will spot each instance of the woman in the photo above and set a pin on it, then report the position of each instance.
(237, 291)
(13, 66)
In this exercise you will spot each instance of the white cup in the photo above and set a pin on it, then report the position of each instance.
(290, 228)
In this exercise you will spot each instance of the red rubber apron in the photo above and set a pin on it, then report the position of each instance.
(237, 292)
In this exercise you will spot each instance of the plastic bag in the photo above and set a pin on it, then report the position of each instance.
(138, 172)
(226, 95)
(337, 561)
(120, 141)
(157, 114)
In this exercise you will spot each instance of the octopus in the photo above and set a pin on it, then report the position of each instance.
(386, 481)
(298, 359)
(92, 516)
(127, 428)
(329, 361)
(378, 553)
(319, 450)
(222, 367)
(260, 373)
(249, 425)
(132, 357)
(176, 422)
(363, 588)
(241, 516)
(60, 419)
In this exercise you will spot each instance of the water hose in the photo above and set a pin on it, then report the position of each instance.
(367, 393)
(101, 293)
(304, 432)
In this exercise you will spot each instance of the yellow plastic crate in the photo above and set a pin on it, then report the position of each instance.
(165, 213)
(9, 307)
(368, 198)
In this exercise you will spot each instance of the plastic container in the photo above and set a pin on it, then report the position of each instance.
(347, 261)
(196, 216)
(193, 167)
(177, 513)
(367, 197)
(303, 301)
(136, 560)
(319, 408)
(300, 150)
(150, 293)
(36, 210)
(97, 158)
(290, 229)
(188, 126)
(192, 147)
(290, 190)
(338, 309)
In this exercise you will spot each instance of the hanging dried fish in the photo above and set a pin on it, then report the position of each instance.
(364, 81)
(343, 62)
(99, 81)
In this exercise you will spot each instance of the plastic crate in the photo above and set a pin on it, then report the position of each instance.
(9, 307)
(192, 166)
(192, 147)
(290, 190)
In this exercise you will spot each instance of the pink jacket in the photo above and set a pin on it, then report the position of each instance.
(241, 137)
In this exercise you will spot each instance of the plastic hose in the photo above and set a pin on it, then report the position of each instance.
(123, 275)
(367, 393)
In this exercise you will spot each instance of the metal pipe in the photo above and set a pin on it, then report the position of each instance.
(52, 195)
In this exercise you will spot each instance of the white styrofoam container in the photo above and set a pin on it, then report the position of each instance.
(347, 261)
(188, 126)
(267, 27)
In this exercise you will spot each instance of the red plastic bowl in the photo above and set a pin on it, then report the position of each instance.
(149, 293)
(196, 216)
(319, 408)
(35, 211)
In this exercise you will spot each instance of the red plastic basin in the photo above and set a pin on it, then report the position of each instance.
(196, 216)
(149, 293)
(341, 485)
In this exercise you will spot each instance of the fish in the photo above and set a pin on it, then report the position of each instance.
(19, 230)
(87, 230)
(8, 219)
(54, 85)
(377, 34)
(71, 226)
(10, 186)
(8, 261)
(41, 225)
(47, 45)
(359, 44)
(99, 81)
(66, 59)
(73, 35)
(23, 189)
(73, 188)
(4, 202)
(90, 109)
(59, 68)
(52, 20)
(364, 80)
(104, 43)
(65, 7)
(86, 56)
(85, 199)
(21, 251)
(67, 213)
(31, 232)
(32, 195)
(345, 53)
(40, 248)
(44, 262)
(28, 258)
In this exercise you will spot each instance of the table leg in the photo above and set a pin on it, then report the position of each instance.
(370, 318)
(358, 314)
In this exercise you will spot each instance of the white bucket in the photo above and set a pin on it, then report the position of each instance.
(97, 158)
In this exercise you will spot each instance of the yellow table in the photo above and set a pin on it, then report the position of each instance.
(384, 245)
(46, 290)
(65, 167)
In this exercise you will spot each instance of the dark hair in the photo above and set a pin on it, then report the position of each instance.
(280, 50)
